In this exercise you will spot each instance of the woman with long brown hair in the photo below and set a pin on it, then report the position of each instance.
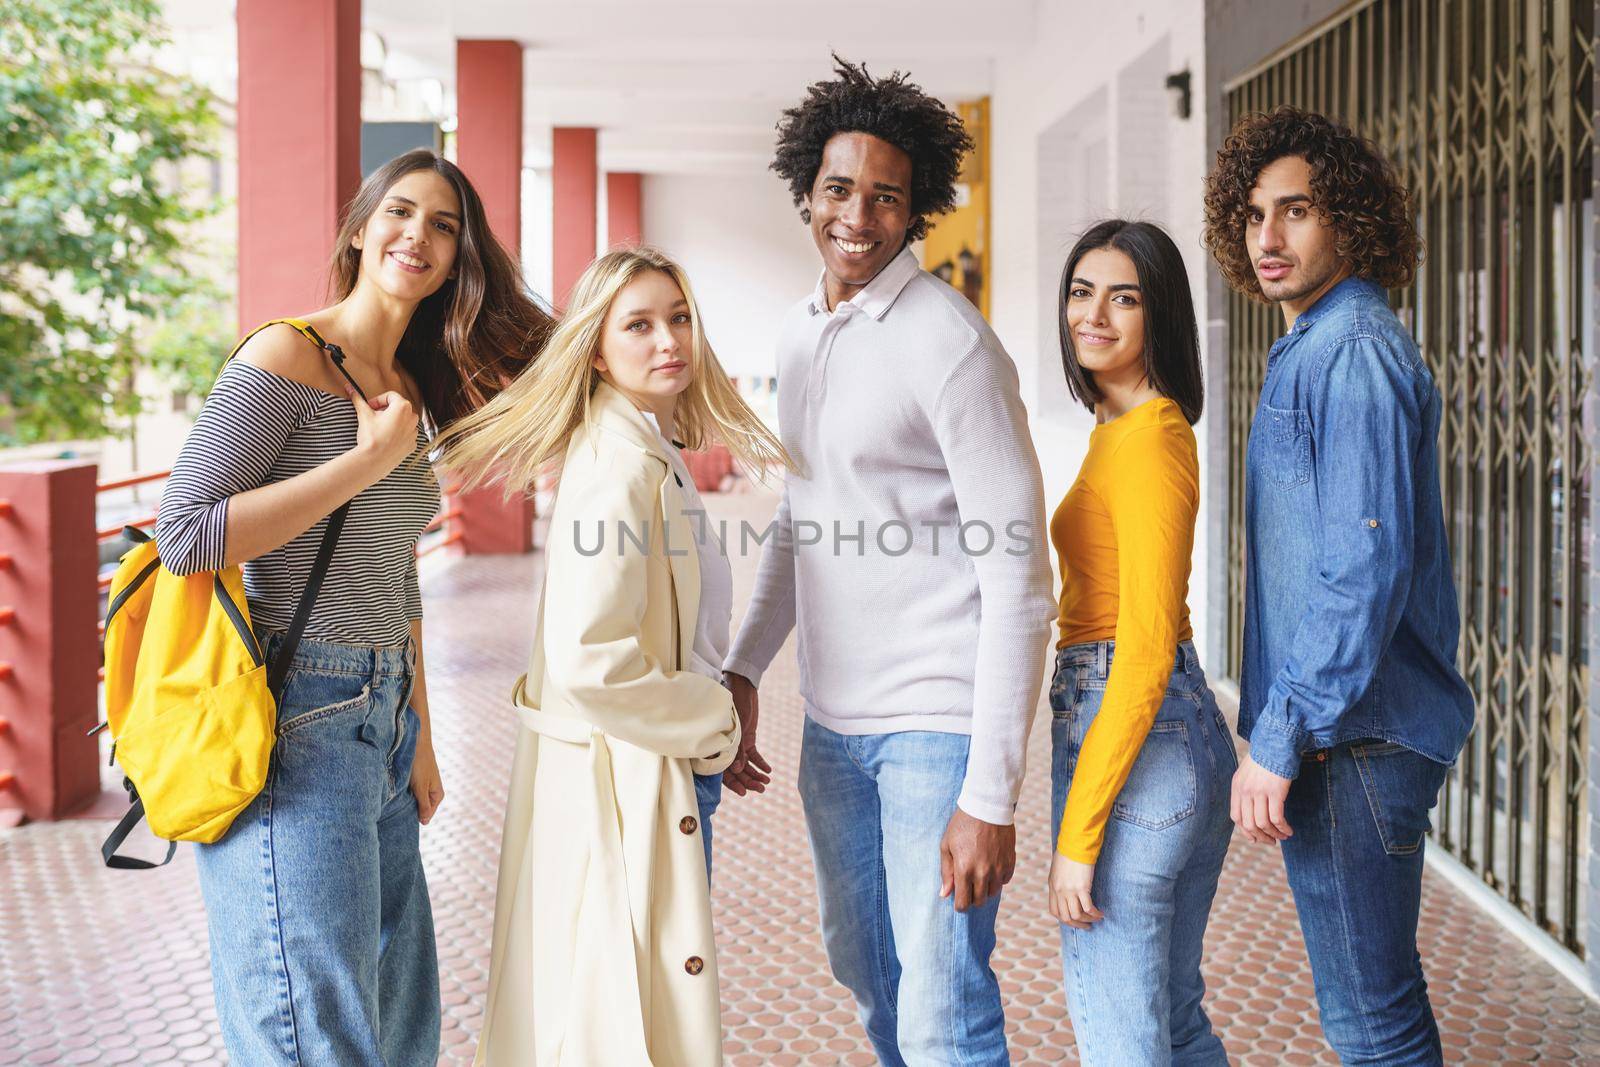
(314, 442)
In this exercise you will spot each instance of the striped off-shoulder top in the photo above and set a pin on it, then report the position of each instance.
(258, 427)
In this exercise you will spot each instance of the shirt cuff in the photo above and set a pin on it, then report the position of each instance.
(738, 665)
(986, 809)
(1277, 749)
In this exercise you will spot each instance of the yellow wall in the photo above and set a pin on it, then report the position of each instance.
(967, 227)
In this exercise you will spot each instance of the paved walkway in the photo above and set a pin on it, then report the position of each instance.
(109, 967)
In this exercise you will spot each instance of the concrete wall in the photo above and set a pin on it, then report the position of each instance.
(748, 257)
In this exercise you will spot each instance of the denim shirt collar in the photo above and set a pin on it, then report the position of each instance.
(1351, 288)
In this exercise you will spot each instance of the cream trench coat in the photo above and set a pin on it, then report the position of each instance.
(603, 953)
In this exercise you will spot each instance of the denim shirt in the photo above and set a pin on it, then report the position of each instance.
(1350, 623)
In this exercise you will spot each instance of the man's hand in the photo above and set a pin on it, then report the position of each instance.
(1070, 884)
(1257, 803)
(749, 772)
(976, 858)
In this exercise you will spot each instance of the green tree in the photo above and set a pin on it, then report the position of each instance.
(92, 215)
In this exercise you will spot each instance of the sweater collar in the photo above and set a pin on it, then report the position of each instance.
(879, 294)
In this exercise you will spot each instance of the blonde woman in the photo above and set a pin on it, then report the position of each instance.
(602, 938)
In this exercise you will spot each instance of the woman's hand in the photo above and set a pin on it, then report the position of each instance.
(426, 785)
(386, 429)
(1070, 883)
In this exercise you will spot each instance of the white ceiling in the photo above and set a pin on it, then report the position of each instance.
(696, 87)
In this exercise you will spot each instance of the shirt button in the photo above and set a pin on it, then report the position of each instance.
(688, 825)
(694, 964)
(1372, 523)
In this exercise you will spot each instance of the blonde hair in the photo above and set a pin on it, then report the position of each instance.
(525, 429)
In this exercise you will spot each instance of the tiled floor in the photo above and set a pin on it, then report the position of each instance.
(110, 967)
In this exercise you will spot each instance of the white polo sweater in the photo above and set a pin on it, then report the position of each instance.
(911, 550)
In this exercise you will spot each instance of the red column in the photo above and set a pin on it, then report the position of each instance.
(489, 150)
(489, 131)
(299, 147)
(48, 647)
(624, 210)
(575, 194)
(490, 524)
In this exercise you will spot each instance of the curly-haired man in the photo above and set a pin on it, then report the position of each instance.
(911, 557)
(1349, 692)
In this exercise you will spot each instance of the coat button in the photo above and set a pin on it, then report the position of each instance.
(694, 964)
(688, 824)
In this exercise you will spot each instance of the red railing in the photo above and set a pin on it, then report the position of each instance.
(110, 533)
(445, 520)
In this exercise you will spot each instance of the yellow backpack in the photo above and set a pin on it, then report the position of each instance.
(190, 701)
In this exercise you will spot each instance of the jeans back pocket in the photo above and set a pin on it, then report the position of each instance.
(1160, 791)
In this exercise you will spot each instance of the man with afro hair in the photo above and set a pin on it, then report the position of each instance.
(910, 555)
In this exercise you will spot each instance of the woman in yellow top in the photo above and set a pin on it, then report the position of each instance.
(1142, 757)
(602, 932)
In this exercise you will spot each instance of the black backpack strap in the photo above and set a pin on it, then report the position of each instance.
(279, 670)
(119, 834)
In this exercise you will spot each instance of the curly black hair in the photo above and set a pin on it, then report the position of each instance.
(893, 109)
(1351, 182)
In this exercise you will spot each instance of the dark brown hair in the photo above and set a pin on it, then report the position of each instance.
(1171, 338)
(1352, 184)
(470, 338)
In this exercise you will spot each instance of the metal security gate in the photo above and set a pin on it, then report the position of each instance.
(1487, 108)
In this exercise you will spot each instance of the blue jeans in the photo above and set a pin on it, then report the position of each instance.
(707, 795)
(1133, 979)
(877, 806)
(322, 947)
(1359, 812)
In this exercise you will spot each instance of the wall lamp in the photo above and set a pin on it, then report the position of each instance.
(1182, 98)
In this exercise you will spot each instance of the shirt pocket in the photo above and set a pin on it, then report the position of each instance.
(1288, 440)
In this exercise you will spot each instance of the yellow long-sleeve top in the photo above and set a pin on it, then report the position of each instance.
(1125, 534)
